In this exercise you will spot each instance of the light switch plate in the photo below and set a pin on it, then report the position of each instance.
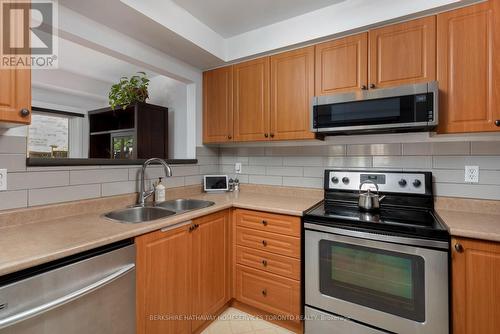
(3, 179)
(237, 167)
(472, 174)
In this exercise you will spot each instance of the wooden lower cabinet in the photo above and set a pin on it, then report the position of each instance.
(163, 276)
(211, 286)
(267, 265)
(183, 276)
(475, 286)
(268, 292)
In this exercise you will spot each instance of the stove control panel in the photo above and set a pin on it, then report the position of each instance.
(396, 182)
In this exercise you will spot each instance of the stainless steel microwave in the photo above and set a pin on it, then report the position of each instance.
(399, 109)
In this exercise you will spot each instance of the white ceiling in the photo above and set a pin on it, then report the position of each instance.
(233, 17)
(211, 33)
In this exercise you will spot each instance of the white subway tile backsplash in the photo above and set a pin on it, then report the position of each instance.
(485, 148)
(479, 191)
(231, 160)
(314, 171)
(98, 176)
(31, 180)
(185, 170)
(243, 151)
(13, 199)
(374, 149)
(304, 182)
(266, 161)
(408, 162)
(13, 162)
(119, 188)
(209, 169)
(459, 162)
(63, 194)
(193, 180)
(303, 161)
(349, 162)
(284, 171)
(268, 180)
(12, 145)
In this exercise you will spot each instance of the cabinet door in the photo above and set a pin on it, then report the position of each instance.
(211, 266)
(292, 90)
(164, 282)
(403, 53)
(476, 292)
(15, 95)
(251, 100)
(342, 65)
(218, 105)
(468, 69)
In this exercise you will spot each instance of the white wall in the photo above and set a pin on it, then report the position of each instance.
(172, 94)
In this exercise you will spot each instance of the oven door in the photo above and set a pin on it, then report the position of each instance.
(394, 287)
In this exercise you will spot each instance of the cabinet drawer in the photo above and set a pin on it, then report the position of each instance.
(268, 292)
(270, 242)
(268, 222)
(272, 263)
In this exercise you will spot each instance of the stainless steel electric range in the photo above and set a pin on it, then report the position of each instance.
(383, 271)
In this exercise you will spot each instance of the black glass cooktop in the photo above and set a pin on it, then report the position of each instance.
(393, 220)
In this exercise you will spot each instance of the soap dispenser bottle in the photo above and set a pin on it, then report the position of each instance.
(159, 191)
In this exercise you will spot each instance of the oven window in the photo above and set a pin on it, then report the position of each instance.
(387, 281)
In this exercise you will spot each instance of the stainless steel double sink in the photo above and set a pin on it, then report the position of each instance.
(141, 214)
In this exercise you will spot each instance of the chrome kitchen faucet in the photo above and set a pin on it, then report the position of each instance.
(143, 193)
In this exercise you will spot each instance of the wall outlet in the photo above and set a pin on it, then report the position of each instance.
(472, 174)
(237, 167)
(3, 179)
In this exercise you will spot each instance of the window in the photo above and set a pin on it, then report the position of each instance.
(48, 136)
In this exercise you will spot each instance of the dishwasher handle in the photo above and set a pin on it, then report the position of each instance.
(38, 310)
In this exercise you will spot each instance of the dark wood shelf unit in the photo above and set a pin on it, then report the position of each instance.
(146, 124)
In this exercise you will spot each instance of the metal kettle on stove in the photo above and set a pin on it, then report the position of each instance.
(368, 200)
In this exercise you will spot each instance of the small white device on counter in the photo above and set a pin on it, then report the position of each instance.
(159, 192)
(215, 183)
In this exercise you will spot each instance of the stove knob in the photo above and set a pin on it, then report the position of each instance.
(402, 183)
(417, 183)
(345, 180)
(335, 180)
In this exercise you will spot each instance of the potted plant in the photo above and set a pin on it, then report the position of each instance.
(129, 91)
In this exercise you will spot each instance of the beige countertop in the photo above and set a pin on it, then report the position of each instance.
(470, 218)
(40, 241)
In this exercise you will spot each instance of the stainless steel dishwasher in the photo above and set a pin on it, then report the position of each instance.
(92, 292)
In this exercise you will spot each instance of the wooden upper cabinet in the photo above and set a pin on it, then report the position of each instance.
(292, 90)
(163, 276)
(476, 292)
(218, 105)
(251, 100)
(211, 287)
(342, 65)
(15, 96)
(468, 68)
(403, 53)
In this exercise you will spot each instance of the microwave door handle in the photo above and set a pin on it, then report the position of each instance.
(38, 310)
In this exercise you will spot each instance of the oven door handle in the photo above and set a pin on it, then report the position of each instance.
(58, 302)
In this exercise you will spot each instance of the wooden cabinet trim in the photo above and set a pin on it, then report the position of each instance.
(292, 90)
(468, 41)
(268, 262)
(341, 65)
(255, 121)
(222, 112)
(269, 222)
(404, 61)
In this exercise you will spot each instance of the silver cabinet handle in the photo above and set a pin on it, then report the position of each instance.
(25, 315)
